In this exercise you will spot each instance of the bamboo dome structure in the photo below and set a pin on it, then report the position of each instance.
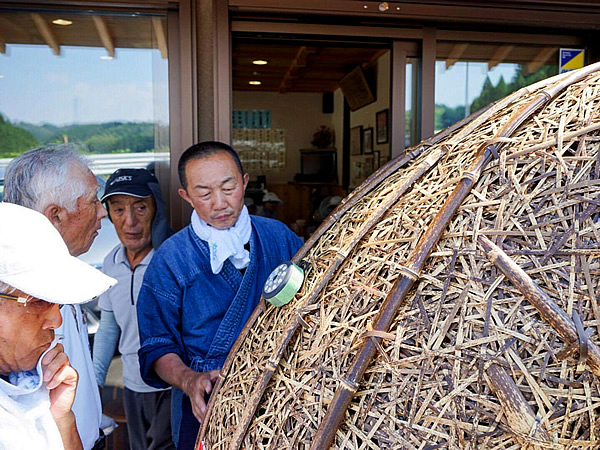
(451, 301)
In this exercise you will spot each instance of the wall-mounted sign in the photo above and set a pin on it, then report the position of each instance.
(255, 119)
(570, 58)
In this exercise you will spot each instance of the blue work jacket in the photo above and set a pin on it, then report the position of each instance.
(184, 308)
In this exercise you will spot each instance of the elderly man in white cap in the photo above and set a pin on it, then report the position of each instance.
(56, 181)
(37, 277)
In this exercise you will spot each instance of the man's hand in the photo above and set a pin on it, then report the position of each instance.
(62, 381)
(197, 385)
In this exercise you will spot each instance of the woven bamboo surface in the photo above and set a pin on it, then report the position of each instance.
(464, 325)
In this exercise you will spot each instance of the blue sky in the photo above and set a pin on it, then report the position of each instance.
(452, 85)
(36, 86)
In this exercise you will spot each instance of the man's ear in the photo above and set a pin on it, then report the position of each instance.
(55, 214)
(246, 178)
(184, 195)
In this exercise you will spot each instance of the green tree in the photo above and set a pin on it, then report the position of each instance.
(14, 140)
(446, 116)
(490, 93)
(101, 143)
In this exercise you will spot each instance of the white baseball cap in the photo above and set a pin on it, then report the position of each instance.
(35, 260)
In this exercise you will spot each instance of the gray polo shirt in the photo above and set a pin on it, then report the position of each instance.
(121, 300)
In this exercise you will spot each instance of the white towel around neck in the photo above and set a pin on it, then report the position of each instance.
(225, 244)
(25, 418)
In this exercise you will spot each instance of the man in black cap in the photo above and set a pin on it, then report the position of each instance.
(136, 208)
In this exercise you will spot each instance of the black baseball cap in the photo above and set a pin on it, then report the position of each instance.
(134, 182)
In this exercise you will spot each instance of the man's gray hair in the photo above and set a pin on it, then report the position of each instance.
(44, 176)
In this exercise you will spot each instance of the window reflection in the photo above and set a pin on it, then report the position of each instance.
(99, 81)
(469, 77)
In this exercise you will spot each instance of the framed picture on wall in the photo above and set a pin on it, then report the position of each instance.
(362, 166)
(368, 140)
(382, 124)
(356, 89)
(356, 172)
(356, 140)
(369, 165)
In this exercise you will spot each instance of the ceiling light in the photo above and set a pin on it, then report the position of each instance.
(62, 22)
(254, 83)
(260, 62)
(106, 57)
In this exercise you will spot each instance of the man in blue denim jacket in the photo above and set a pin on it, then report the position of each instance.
(204, 282)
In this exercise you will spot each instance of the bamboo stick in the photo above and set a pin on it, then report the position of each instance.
(519, 415)
(550, 311)
(349, 384)
(551, 142)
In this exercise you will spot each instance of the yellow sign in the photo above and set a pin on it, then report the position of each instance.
(570, 59)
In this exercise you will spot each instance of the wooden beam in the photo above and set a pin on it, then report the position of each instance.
(499, 55)
(44, 30)
(542, 58)
(161, 39)
(405, 33)
(455, 54)
(105, 37)
(563, 16)
(299, 61)
(16, 31)
(378, 54)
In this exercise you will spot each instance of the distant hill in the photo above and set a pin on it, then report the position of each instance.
(111, 137)
(14, 140)
(108, 137)
(42, 133)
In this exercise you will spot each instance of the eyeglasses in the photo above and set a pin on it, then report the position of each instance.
(31, 304)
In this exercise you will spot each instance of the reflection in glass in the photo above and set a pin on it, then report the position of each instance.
(411, 102)
(465, 86)
(100, 82)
